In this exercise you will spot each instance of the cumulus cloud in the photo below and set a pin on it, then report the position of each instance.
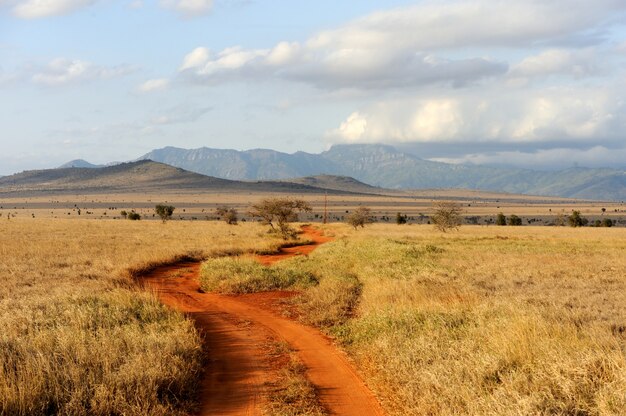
(34, 9)
(63, 71)
(407, 46)
(558, 114)
(336, 68)
(152, 85)
(188, 8)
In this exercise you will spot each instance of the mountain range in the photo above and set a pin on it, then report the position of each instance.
(149, 176)
(384, 166)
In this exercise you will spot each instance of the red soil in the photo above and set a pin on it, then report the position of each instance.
(235, 330)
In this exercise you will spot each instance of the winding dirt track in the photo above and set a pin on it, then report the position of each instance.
(235, 330)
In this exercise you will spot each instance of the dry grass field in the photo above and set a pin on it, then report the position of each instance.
(77, 336)
(484, 321)
(479, 207)
(481, 321)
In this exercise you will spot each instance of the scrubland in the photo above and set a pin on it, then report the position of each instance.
(77, 335)
(483, 321)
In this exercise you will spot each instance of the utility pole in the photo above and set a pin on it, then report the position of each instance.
(325, 207)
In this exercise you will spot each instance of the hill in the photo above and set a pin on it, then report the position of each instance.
(386, 167)
(144, 175)
(340, 183)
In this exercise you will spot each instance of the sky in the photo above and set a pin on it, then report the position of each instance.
(537, 84)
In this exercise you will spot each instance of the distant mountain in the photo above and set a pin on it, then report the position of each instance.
(384, 166)
(144, 175)
(79, 163)
(339, 183)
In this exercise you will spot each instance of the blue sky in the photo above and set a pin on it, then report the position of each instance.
(528, 83)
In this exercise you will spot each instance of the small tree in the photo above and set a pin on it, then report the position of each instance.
(164, 211)
(500, 219)
(279, 212)
(447, 215)
(359, 217)
(227, 214)
(607, 222)
(401, 219)
(124, 214)
(515, 220)
(576, 220)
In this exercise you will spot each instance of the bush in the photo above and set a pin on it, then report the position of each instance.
(515, 220)
(500, 219)
(164, 211)
(401, 219)
(576, 220)
(607, 222)
(134, 216)
(360, 217)
(229, 215)
(447, 215)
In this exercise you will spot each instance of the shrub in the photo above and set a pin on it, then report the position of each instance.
(401, 219)
(229, 215)
(124, 214)
(134, 216)
(164, 211)
(447, 215)
(576, 220)
(514, 220)
(360, 217)
(500, 219)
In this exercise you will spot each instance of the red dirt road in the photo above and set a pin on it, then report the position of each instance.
(235, 330)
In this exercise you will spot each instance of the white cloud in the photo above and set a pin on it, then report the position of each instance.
(152, 85)
(563, 114)
(558, 158)
(64, 71)
(188, 8)
(34, 9)
(577, 63)
(407, 46)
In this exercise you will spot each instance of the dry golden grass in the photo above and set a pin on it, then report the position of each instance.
(483, 321)
(77, 337)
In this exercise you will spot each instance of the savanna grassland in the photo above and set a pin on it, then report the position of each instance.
(78, 336)
(483, 321)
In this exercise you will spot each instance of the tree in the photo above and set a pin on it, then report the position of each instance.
(164, 211)
(401, 219)
(447, 215)
(514, 220)
(500, 219)
(607, 222)
(359, 217)
(124, 214)
(279, 212)
(227, 214)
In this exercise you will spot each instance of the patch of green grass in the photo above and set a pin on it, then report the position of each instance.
(235, 275)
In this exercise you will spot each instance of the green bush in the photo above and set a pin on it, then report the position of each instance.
(500, 219)
(576, 220)
(133, 216)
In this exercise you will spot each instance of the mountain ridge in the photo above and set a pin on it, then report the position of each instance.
(384, 166)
